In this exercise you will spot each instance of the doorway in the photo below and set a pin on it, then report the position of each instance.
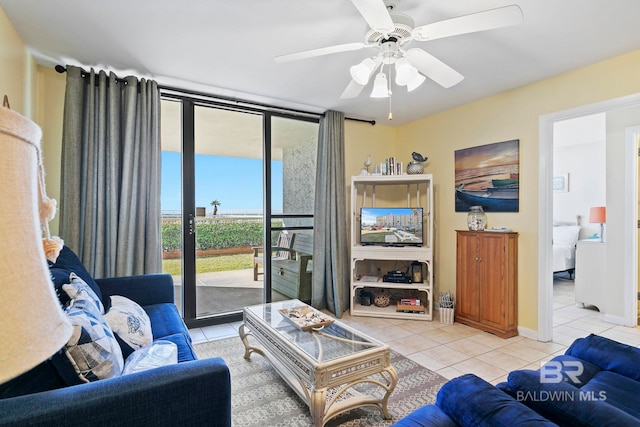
(621, 186)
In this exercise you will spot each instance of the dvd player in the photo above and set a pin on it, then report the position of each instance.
(396, 277)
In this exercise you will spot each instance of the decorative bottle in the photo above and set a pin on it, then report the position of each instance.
(476, 219)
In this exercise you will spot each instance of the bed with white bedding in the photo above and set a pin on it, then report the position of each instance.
(565, 238)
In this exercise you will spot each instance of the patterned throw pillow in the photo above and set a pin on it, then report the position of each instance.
(92, 348)
(130, 323)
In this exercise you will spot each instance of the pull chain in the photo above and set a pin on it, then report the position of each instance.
(390, 116)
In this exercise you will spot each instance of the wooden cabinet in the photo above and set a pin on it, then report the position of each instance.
(487, 281)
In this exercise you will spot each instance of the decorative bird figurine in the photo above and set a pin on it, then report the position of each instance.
(418, 157)
(368, 162)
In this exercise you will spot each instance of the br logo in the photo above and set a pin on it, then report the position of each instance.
(555, 371)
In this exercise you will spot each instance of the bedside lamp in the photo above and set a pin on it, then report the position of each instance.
(33, 326)
(598, 214)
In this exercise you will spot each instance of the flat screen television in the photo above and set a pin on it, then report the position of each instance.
(391, 226)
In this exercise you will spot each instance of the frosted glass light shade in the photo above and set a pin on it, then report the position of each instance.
(405, 72)
(361, 72)
(380, 88)
(416, 82)
(33, 324)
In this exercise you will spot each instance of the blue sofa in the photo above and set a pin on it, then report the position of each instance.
(191, 392)
(595, 383)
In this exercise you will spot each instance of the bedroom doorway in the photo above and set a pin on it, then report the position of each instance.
(579, 183)
(622, 195)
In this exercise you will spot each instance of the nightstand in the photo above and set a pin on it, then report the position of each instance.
(591, 273)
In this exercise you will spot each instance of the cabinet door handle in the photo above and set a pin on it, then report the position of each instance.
(478, 259)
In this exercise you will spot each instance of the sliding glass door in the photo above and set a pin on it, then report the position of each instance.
(293, 145)
(231, 176)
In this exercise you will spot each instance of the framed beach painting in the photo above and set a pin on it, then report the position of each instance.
(488, 176)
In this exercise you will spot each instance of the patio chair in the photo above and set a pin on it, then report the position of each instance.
(279, 252)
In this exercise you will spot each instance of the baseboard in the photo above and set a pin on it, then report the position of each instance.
(616, 320)
(528, 333)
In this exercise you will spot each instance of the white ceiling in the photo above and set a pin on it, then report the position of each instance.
(227, 47)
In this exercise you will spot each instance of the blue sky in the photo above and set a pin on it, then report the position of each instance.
(369, 214)
(235, 182)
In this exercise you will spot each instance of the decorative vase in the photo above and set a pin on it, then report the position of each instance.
(415, 168)
(382, 298)
(476, 219)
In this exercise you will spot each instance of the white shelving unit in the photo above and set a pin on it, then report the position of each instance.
(372, 262)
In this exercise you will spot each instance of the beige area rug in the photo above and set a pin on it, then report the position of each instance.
(261, 398)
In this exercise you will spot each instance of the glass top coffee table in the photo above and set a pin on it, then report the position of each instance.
(333, 368)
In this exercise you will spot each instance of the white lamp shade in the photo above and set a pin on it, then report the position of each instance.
(405, 72)
(380, 88)
(415, 82)
(361, 72)
(33, 324)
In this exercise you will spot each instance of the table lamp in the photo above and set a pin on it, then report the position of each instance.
(598, 214)
(33, 325)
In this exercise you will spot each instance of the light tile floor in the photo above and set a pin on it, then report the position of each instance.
(453, 350)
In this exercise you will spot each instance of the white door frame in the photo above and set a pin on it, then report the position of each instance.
(545, 215)
(630, 215)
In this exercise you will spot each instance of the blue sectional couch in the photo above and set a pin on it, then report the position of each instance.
(191, 392)
(595, 383)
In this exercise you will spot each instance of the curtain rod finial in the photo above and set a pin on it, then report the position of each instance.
(60, 69)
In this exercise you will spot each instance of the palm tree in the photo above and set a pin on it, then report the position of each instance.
(215, 205)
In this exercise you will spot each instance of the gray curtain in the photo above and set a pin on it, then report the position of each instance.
(330, 256)
(110, 189)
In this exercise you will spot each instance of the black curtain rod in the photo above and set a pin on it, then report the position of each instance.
(62, 69)
(83, 73)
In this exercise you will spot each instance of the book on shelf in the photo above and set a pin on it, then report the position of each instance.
(416, 309)
(369, 278)
(409, 301)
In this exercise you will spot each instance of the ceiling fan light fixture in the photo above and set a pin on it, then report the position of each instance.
(380, 88)
(405, 72)
(361, 72)
(415, 82)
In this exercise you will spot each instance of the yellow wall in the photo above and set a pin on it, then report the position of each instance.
(50, 88)
(15, 66)
(35, 92)
(511, 115)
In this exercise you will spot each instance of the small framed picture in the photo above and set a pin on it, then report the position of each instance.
(561, 183)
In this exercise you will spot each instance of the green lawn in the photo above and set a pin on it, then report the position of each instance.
(210, 264)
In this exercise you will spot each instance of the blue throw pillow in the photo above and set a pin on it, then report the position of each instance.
(67, 263)
(92, 348)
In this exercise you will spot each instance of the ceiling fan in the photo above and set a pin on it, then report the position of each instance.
(391, 33)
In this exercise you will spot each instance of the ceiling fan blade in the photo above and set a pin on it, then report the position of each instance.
(433, 68)
(352, 90)
(319, 52)
(481, 21)
(375, 13)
